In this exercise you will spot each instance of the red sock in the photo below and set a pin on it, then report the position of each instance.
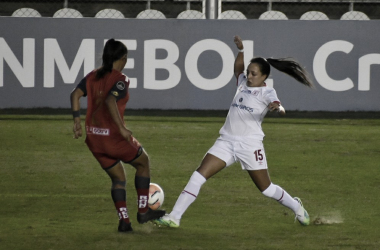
(121, 208)
(142, 188)
(142, 195)
(119, 199)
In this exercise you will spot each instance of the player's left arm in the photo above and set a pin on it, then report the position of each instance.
(276, 106)
(274, 102)
(75, 95)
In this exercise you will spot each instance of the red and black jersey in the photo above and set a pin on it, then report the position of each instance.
(100, 128)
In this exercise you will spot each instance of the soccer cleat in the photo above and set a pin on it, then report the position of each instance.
(302, 216)
(167, 221)
(124, 227)
(150, 215)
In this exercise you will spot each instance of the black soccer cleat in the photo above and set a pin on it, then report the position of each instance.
(150, 215)
(124, 227)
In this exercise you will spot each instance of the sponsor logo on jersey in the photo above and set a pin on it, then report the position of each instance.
(120, 85)
(243, 107)
(98, 131)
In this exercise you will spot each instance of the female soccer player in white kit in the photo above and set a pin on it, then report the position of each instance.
(241, 136)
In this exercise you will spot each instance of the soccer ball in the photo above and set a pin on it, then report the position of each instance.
(156, 196)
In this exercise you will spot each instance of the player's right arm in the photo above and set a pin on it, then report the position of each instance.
(112, 107)
(118, 91)
(239, 61)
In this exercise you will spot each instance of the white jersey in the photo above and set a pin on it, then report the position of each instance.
(248, 110)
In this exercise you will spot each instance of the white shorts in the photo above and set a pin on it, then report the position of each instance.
(251, 155)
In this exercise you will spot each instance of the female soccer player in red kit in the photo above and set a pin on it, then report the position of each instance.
(107, 137)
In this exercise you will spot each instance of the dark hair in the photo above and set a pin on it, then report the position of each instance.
(286, 65)
(113, 51)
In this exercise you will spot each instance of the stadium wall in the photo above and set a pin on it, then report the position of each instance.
(188, 64)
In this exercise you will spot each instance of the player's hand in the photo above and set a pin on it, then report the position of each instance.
(77, 129)
(238, 42)
(273, 106)
(126, 133)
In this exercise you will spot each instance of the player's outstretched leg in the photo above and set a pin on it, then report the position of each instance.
(278, 193)
(301, 215)
(185, 199)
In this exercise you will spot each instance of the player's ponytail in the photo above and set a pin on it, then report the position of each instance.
(286, 65)
(113, 51)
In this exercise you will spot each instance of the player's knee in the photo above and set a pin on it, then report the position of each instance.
(141, 161)
(143, 155)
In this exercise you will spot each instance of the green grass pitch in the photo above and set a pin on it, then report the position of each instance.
(53, 194)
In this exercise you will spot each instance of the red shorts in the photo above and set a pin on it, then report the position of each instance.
(109, 154)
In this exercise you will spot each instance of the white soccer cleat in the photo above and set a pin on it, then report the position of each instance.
(302, 216)
(167, 221)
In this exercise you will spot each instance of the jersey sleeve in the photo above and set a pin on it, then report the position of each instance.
(241, 78)
(271, 96)
(82, 86)
(119, 89)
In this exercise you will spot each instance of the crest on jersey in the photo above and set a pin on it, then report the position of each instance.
(241, 99)
(115, 93)
(255, 93)
(120, 85)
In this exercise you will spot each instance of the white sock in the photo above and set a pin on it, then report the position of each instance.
(279, 194)
(188, 195)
